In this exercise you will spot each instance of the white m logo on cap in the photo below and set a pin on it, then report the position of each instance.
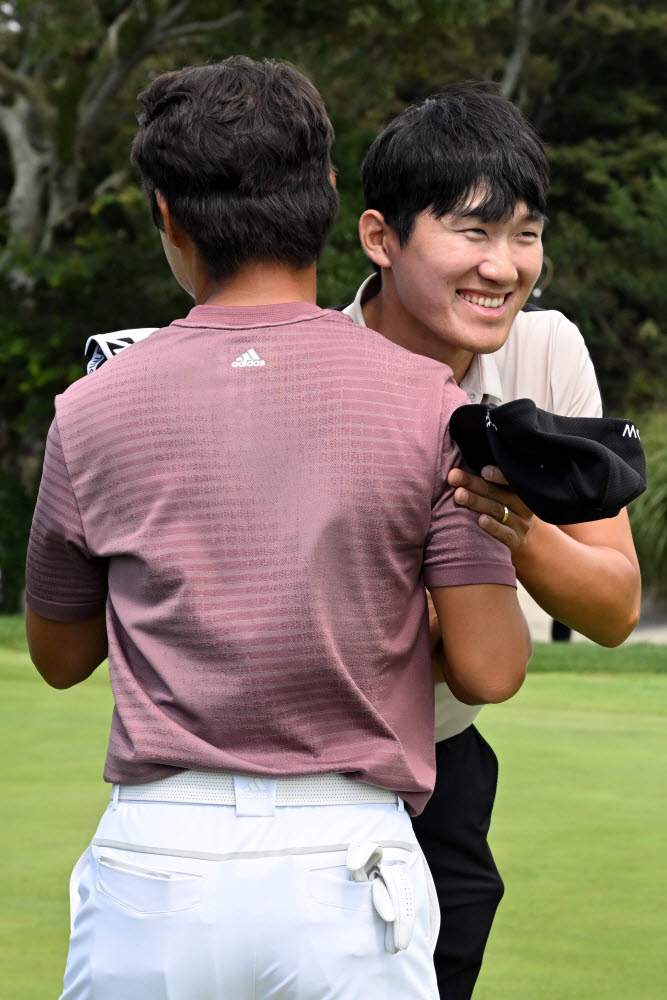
(630, 431)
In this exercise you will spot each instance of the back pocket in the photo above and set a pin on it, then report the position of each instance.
(147, 889)
(334, 886)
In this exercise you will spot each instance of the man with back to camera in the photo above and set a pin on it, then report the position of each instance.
(455, 191)
(256, 844)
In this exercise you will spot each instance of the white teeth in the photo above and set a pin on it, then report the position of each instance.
(480, 300)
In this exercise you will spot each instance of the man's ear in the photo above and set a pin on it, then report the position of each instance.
(376, 237)
(172, 231)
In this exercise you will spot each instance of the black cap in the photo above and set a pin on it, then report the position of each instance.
(565, 469)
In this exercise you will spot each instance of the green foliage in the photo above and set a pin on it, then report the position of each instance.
(16, 504)
(648, 514)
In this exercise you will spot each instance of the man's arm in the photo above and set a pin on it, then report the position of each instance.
(486, 641)
(584, 575)
(66, 653)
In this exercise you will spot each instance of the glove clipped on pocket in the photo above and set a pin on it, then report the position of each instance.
(392, 892)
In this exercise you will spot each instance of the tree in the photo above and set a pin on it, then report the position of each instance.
(65, 63)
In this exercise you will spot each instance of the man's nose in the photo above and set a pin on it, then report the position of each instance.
(498, 264)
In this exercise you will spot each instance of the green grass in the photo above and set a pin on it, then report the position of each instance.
(578, 829)
(578, 835)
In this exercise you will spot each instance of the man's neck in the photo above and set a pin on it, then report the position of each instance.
(385, 313)
(260, 284)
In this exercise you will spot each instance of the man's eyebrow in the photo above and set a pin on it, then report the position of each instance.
(477, 212)
(533, 216)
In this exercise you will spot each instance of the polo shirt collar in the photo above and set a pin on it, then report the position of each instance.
(481, 382)
(247, 317)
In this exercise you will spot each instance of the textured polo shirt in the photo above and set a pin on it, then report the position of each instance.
(544, 359)
(258, 496)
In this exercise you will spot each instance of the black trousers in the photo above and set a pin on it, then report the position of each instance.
(452, 832)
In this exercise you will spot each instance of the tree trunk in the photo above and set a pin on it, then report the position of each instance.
(63, 200)
(527, 13)
(29, 165)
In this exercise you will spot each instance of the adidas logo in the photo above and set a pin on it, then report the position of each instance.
(256, 788)
(630, 431)
(250, 359)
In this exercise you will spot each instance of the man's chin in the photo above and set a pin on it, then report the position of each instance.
(490, 348)
(486, 342)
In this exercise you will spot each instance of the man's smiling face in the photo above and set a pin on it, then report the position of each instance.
(464, 279)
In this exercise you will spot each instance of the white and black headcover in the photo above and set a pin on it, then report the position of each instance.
(104, 346)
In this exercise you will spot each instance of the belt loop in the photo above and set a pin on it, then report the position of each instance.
(114, 797)
(400, 804)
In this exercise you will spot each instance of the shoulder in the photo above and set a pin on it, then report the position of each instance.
(541, 330)
(124, 351)
(544, 342)
(546, 359)
(374, 344)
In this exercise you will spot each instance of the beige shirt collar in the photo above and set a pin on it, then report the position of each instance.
(481, 382)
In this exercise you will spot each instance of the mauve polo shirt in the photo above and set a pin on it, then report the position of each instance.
(260, 534)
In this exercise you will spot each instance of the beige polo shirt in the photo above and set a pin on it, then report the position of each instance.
(544, 359)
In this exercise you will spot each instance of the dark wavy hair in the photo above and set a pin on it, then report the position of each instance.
(442, 153)
(241, 152)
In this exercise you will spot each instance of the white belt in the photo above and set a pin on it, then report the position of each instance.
(217, 788)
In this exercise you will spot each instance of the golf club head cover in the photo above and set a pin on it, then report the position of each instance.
(104, 346)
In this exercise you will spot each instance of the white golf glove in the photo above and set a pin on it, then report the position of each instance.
(392, 893)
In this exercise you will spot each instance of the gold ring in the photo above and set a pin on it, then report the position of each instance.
(505, 515)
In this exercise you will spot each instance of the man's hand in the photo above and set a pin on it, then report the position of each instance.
(584, 575)
(489, 495)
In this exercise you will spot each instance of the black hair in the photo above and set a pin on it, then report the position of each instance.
(241, 152)
(467, 147)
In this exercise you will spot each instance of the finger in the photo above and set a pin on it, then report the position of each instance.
(459, 477)
(482, 487)
(475, 484)
(493, 475)
(503, 532)
(483, 505)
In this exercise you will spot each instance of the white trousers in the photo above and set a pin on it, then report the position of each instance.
(179, 901)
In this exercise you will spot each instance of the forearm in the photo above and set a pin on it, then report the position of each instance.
(595, 589)
(66, 653)
(486, 643)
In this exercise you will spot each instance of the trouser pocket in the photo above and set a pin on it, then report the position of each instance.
(371, 935)
(141, 931)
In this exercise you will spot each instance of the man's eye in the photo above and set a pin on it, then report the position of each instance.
(530, 235)
(475, 232)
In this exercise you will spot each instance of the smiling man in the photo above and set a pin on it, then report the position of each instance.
(456, 191)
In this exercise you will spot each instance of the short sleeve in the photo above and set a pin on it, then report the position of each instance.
(458, 552)
(574, 384)
(64, 581)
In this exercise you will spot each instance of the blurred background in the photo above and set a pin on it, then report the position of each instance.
(577, 828)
